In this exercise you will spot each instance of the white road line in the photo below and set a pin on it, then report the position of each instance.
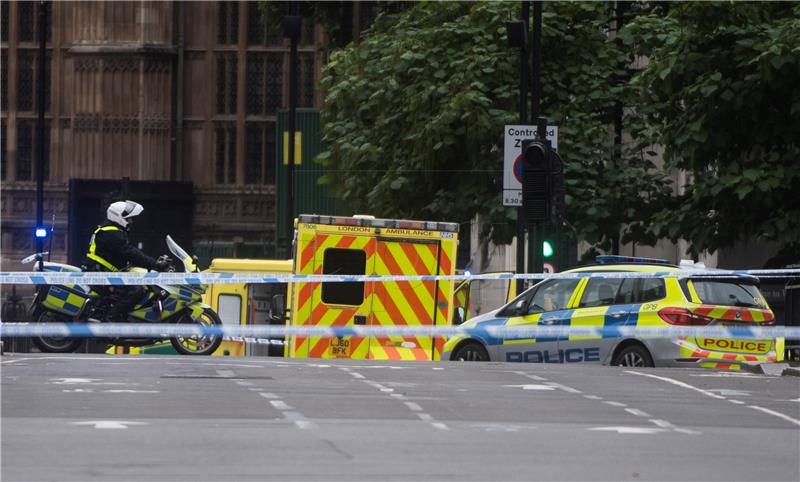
(563, 387)
(532, 377)
(396, 395)
(662, 423)
(775, 414)
(255, 389)
(357, 375)
(737, 402)
(413, 406)
(440, 426)
(425, 416)
(387, 390)
(616, 404)
(592, 397)
(16, 360)
(280, 405)
(268, 395)
(226, 373)
(679, 383)
(637, 412)
(244, 384)
(299, 420)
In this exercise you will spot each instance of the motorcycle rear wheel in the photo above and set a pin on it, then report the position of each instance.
(53, 344)
(199, 345)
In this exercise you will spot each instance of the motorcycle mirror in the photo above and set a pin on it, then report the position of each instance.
(34, 257)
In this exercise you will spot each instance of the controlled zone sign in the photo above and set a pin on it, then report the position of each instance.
(512, 159)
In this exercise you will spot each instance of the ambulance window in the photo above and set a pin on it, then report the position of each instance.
(342, 262)
(229, 308)
(653, 289)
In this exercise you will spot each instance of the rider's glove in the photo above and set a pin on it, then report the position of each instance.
(162, 264)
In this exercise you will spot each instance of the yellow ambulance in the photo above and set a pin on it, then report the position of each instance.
(364, 245)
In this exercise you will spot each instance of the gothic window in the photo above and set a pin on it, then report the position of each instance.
(27, 74)
(225, 155)
(258, 32)
(306, 90)
(4, 21)
(264, 83)
(227, 68)
(5, 152)
(24, 151)
(25, 85)
(4, 80)
(26, 21)
(228, 23)
(28, 148)
(260, 153)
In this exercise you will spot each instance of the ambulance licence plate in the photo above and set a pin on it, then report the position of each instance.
(340, 347)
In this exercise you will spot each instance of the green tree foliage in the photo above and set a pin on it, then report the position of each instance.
(413, 118)
(721, 93)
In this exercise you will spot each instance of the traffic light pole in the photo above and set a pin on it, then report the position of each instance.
(523, 119)
(535, 262)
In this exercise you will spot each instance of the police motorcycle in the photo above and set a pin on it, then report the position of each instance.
(160, 304)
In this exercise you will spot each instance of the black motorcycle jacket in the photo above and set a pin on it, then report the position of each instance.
(110, 250)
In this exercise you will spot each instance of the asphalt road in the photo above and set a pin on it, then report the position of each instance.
(98, 417)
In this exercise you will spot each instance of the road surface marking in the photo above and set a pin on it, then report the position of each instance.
(425, 416)
(109, 423)
(775, 414)
(563, 387)
(255, 389)
(131, 391)
(244, 384)
(592, 397)
(440, 426)
(299, 420)
(532, 377)
(357, 375)
(268, 395)
(737, 402)
(679, 383)
(616, 404)
(226, 373)
(731, 393)
(16, 360)
(413, 406)
(630, 430)
(637, 412)
(532, 387)
(280, 405)
(438, 368)
(662, 423)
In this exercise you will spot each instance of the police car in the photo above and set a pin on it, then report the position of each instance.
(686, 299)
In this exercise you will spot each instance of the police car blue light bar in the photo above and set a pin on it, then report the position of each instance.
(41, 232)
(612, 258)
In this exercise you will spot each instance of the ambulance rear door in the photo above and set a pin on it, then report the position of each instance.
(334, 250)
(411, 303)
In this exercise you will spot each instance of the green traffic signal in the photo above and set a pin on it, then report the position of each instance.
(547, 249)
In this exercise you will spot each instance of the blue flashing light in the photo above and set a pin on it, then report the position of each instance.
(41, 232)
(611, 259)
(467, 273)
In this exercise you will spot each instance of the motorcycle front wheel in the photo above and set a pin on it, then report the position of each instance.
(198, 345)
(53, 344)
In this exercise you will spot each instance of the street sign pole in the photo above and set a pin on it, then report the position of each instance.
(535, 259)
(523, 119)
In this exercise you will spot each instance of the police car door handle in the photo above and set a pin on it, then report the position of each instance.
(618, 314)
(546, 322)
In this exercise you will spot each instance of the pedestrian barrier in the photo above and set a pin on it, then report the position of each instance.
(99, 278)
(267, 331)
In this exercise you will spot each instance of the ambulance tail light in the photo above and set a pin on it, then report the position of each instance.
(683, 317)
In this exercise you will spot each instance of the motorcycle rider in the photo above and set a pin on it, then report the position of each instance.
(110, 250)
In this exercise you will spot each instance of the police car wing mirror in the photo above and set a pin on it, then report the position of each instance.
(519, 308)
(34, 257)
(458, 315)
(277, 309)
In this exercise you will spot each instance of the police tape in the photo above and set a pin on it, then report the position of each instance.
(539, 332)
(152, 278)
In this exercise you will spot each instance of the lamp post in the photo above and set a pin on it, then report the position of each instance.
(291, 30)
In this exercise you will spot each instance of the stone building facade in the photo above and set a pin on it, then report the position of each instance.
(148, 90)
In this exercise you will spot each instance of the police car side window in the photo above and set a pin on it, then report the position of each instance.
(652, 289)
(600, 292)
(552, 296)
(627, 292)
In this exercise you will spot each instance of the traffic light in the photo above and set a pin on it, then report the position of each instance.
(536, 183)
(547, 249)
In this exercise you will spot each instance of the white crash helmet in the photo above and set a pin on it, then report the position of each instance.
(120, 211)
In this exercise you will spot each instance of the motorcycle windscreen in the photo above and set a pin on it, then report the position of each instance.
(182, 255)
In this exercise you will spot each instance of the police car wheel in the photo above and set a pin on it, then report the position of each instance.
(633, 356)
(471, 351)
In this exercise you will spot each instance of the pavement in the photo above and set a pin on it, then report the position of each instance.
(101, 417)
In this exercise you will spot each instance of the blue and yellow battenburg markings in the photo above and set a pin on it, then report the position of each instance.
(64, 300)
